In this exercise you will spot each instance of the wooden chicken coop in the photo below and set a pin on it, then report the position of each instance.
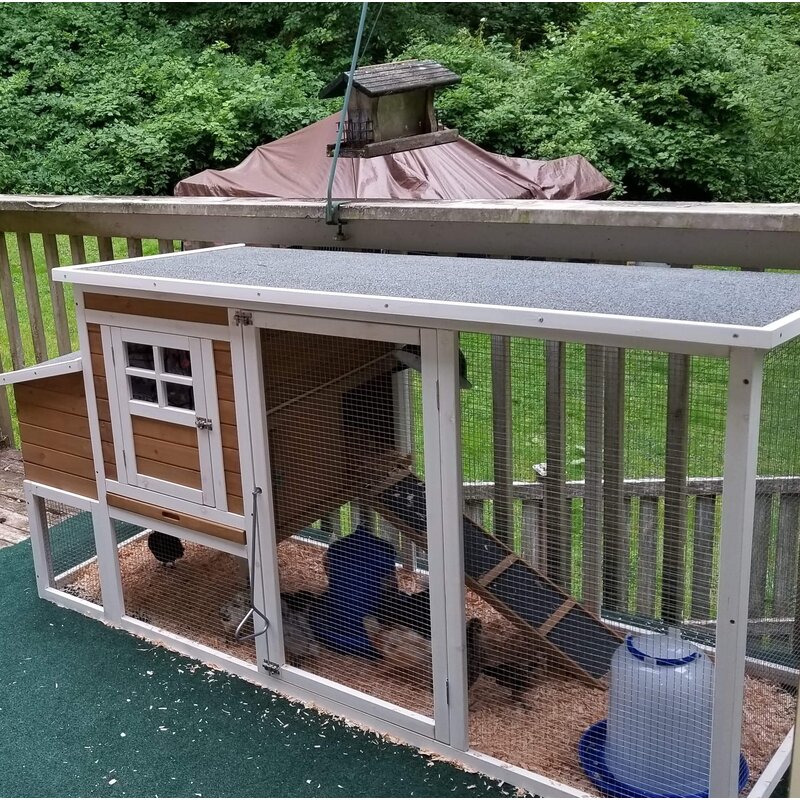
(250, 442)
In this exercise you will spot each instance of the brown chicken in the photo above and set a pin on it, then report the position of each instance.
(407, 653)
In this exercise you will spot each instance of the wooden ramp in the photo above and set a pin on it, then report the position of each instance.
(581, 643)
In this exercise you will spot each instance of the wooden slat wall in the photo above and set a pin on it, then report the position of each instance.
(98, 368)
(156, 440)
(227, 418)
(54, 423)
(161, 309)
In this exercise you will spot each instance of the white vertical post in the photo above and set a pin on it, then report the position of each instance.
(40, 540)
(452, 511)
(248, 381)
(738, 501)
(436, 548)
(105, 542)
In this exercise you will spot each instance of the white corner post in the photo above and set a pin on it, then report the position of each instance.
(448, 412)
(738, 501)
(40, 544)
(105, 542)
(246, 358)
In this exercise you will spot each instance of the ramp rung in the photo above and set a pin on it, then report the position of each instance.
(495, 571)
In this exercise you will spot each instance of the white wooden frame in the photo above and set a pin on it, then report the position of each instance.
(203, 381)
(738, 493)
(251, 361)
(46, 580)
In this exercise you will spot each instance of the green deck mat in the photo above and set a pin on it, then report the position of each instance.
(93, 712)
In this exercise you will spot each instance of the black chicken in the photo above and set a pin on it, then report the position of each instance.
(167, 549)
(409, 610)
(515, 664)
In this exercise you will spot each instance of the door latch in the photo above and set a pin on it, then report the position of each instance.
(203, 423)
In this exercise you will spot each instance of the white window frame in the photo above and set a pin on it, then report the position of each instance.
(212, 491)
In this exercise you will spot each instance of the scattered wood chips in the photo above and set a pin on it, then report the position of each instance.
(541, 734)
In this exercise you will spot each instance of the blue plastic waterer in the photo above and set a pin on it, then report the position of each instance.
(657, 739)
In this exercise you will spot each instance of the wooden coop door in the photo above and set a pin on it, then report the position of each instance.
(351, 431)
(167, 420)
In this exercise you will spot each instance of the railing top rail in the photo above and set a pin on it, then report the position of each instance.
(749, 235)
(772, 217)
(633, 487)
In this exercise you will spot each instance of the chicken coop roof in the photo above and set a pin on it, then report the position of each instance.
(401, 76)
(70, 362)
(703, 306)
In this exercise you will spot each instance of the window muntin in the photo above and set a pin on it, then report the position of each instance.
(159, 375)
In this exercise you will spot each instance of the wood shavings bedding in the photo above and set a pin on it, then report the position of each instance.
(541, 734)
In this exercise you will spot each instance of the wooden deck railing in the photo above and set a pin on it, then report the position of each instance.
(40, 233)
(775, 541)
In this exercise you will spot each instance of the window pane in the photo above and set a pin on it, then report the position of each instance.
(144, 389)
(179, 396)
(140, 355)
(177, 362)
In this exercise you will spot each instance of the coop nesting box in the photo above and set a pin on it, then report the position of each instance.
(448, 487)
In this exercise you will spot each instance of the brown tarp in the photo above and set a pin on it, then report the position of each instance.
(297, 167)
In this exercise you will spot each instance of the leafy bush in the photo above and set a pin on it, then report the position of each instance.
(676, 101)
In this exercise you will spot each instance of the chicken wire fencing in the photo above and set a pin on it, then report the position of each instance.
(344, 422)
(187, 589)
(593, 497)
(70, 549)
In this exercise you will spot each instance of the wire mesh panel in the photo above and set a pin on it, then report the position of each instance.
(345, 436)
(593, 483)
(70, 544)
(187, 589)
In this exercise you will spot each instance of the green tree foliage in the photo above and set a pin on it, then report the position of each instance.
(94, 100)
(670, 100)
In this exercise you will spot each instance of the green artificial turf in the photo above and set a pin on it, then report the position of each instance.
(93, 712)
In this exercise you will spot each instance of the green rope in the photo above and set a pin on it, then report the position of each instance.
(331, 209)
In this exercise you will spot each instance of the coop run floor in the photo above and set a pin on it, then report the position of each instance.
(88, 711)
(540, 734)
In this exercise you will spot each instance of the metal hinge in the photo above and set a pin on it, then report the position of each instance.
(243, 317)
(203, 423)
(437, 395)
(271, 667)
(447, 691)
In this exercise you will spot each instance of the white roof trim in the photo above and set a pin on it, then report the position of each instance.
(71, 362)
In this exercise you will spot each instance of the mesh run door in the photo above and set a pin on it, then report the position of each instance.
(344, 420)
